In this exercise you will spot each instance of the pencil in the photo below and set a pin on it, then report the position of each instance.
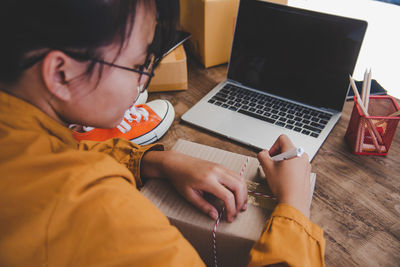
(395, 114)
(361, 133)
(359, 100)
(373, 134)
(364, 86)
(366, 96)
(361, 127)
(368, 90)
(358, 139)
(360, 130)
(371, 127)
(371, 148)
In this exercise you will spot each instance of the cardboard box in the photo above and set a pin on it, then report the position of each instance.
(234, 240)
(171, 74)
(211, 23)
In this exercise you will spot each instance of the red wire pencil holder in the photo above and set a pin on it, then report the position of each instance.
(373, 134)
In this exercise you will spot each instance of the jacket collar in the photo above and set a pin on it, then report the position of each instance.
(21, 115)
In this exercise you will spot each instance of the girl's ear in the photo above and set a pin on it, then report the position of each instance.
(57, 70)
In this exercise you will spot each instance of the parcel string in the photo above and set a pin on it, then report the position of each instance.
(217, 222)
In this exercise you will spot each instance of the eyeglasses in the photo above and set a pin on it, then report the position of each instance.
(146, 70)
(153, 58)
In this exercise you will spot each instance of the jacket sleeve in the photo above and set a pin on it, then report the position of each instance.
(124, 151)
(290, 239)
(107, 222)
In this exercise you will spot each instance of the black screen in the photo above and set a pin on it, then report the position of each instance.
(298, 54)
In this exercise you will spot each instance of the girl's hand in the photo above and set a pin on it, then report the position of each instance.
(289, 180)
(193, 177)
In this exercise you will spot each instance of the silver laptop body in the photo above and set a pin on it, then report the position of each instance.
(288, 74)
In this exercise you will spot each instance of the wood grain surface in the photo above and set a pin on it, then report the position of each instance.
(356, 199)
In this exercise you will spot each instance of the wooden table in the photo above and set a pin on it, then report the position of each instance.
(356, 199)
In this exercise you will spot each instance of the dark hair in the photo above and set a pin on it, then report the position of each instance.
(81, 26)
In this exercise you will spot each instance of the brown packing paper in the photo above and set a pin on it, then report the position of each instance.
(234, 240)
(171, 74)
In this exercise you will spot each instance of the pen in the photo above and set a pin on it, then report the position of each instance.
(296, 152)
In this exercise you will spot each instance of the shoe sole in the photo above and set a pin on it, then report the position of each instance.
(159, 130)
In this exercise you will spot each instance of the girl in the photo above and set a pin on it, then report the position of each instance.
(68, 204)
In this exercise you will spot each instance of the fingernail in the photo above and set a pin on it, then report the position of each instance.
(213, 214)
(244, 207)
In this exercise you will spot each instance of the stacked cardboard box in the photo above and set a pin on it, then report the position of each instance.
(211, 23)
(171, 74)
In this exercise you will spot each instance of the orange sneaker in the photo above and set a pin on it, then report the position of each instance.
(142, 124)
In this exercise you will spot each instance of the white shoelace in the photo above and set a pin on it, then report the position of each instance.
(130, 115)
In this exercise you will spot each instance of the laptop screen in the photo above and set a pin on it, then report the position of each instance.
(302, 55)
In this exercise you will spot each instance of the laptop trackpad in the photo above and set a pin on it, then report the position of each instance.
(249, 130)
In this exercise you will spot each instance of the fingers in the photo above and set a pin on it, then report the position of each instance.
(203, 176)
(229, 187)
(238, 186)
(228, 198)
(265, 159)
(197, 200)
(234, 198)
(221, 192)
(305, 156)
(282, 144)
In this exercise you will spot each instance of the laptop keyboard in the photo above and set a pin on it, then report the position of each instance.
(272, 110)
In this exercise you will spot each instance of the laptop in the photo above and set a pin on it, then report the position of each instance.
(288, 74)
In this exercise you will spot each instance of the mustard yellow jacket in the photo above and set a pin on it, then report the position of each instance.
(69, 204)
